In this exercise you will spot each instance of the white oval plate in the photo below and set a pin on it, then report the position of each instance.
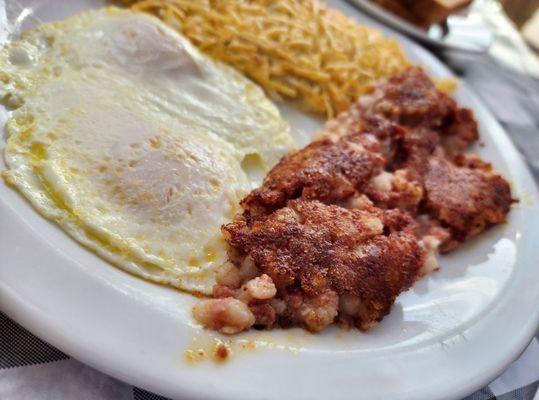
(451, 334)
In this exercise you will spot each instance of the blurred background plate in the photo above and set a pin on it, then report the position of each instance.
(464, 31)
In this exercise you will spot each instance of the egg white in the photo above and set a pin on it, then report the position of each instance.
(134, 142)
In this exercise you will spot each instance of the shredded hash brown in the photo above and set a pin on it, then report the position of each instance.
(293, 49)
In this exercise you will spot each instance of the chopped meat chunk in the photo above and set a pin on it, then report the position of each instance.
(311, 250)
(226, 315)
(430, 245)
(248, 269)
(222, 291)
(418, 144)
(399, 189)
(472, 161)
(352, 123)
(358, 201)
(460, 132)
(228, 275)
(465, 200)
(264, 313)
(410, 99)
(259, 288)
(432, 237)
(319, 311)
(327, 170)
(410, 118)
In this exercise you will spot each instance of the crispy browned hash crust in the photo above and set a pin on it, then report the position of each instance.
(428, 117)
(314, 251)
(339, 228)
(329, 170)
(434, 128)
(466, 200)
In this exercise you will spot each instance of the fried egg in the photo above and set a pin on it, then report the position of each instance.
(136, 144)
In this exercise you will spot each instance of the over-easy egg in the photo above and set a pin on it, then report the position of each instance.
(134, 142)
